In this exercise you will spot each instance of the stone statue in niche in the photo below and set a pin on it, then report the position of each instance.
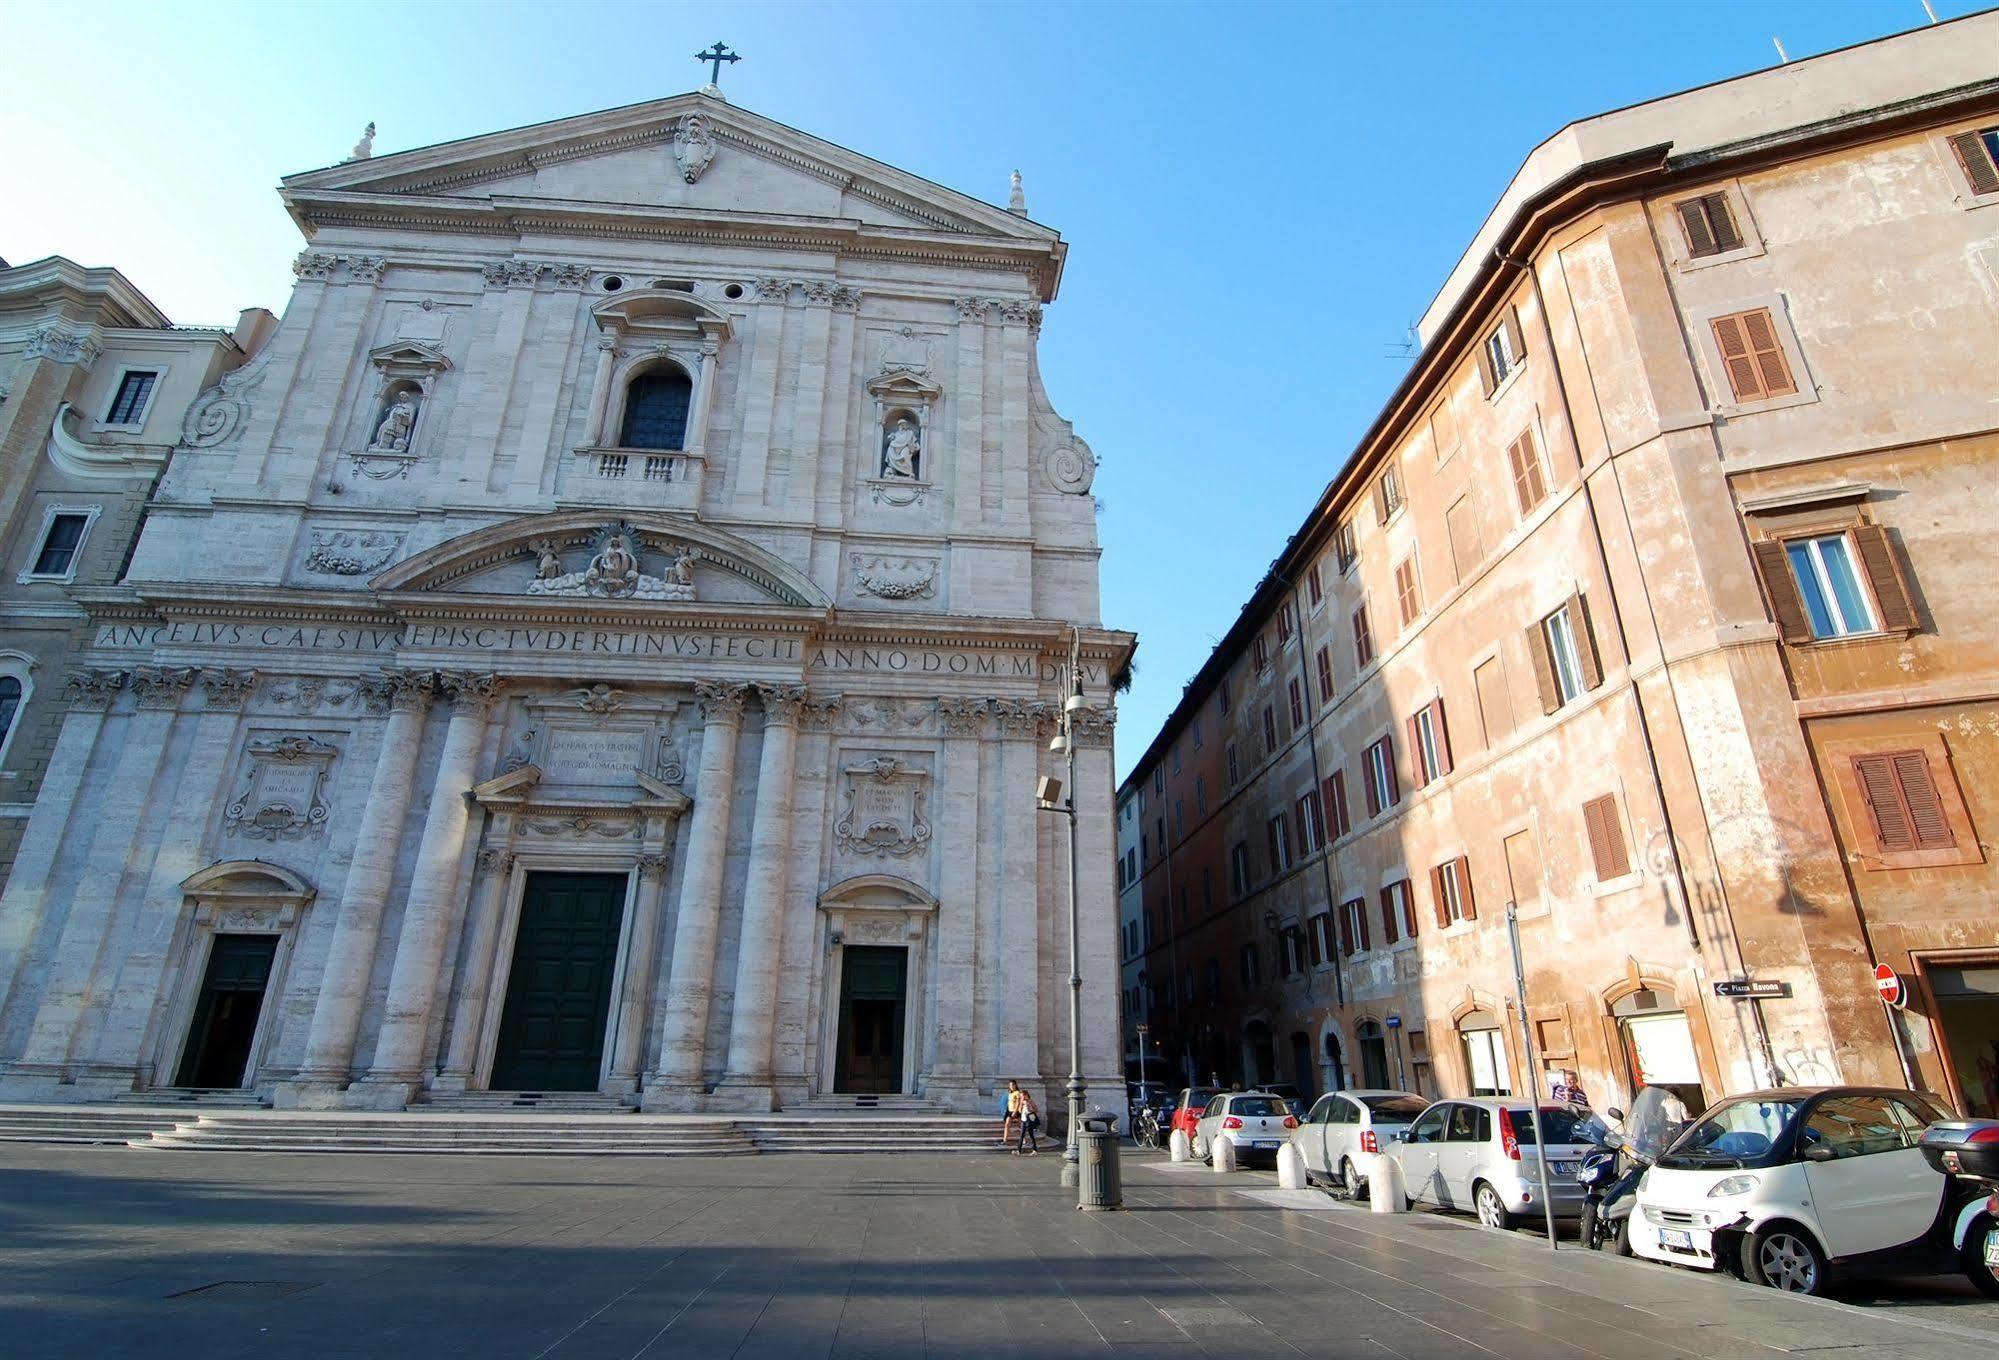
(902, 450)
(393, 434)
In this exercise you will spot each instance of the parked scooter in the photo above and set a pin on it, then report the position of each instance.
(1967, 1151)
(1609, 1176)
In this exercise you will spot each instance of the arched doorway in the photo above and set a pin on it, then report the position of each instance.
(1302, 1075)
(1657, 1045)
(234, 958)
(1373, 1045)
(1335, 1060)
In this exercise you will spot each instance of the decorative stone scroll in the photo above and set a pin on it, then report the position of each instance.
(283, 792)
(218, 415)
(227, 688)
(883, 816)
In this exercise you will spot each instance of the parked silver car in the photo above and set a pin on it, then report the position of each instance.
(1344, 1130)
(1479, 1154)
(1256, 1122)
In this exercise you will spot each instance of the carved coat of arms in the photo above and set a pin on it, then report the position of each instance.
(283, 795)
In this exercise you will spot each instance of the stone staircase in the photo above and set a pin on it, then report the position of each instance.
(83, 1124)
(496, 1102)
(539, 1134)
(810, 1130)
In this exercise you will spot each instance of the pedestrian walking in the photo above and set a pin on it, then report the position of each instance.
(1030, 1126)
(1011, 1113)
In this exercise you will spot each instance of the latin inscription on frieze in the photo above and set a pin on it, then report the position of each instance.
(597, 756)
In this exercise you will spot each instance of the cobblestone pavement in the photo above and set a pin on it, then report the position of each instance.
(111, 1252)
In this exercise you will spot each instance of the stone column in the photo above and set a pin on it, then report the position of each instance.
(690, 977)
(640, 955)
(1018, 974)
(96, 898)
(25, 906)
(350, 959)
(600, 391)
(961, 824)
(704, 397)
(1096, 893)
(434, 887)
(747, 1082)
(495, 871)
(133, 991)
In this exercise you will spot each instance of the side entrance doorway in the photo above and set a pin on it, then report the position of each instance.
(559, 987)
(217, 1051)
(874, 982)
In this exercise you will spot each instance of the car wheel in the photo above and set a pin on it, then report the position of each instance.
(1975, 1269)
(1492, 1210)
(1350, 1180)
(1786, 1258)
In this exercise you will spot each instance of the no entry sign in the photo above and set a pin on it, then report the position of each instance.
(1889, 983)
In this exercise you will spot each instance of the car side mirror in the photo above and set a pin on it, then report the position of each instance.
(1614, 1112)
(1399, 1136)
(1817, 1152)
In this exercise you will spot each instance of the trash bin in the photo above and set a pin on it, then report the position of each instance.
(1100, 1185)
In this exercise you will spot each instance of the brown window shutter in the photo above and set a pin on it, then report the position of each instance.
(1772, 368)
(1884, 575)
(1881, 789)
(1437, 896)
(1773, 564)
(1528, 487)
(1919, 795)
(1367, 785)
(1443, 735)
(1360, 923)
(1736, 358)
(1346, 928)
(1408, 896)
(1606, 838)
(1464, 889)
(1388, 763)
(1977, 162)
(1339, 782)
(1380, 502)
(1513, 334)
(1693, 220)
(1719, 216)
(1544, 669)
(1486, 381)
(1416, 775)
(1586, 653)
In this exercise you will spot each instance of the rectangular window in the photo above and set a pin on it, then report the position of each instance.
(1222, 695)
(1313, 590)
(1311, 827)
(1828, 586)
(60, 544)
(1363, 639)
(1378, 767)
(1158, 779)
(1197, 733)
(1398, 910)
(1903, 806)
(1606, 838)
(1259, 653)
(1176, 757)
(1269, 730)
(1234, 776)
(1239, 869)
(1278, 832)
(1708, 224)
(1252, 969)
(1501, 353)
(1565, 657)
(1387, 494)
(1200, 795)
(1322, 937)
(1335, 789)
(1407, 599)
(129, 405)
(1559, 632)
(1284, 623)
(1530, 484)
(1297, 694)
(1353, 927)
(1344, 547)
(1325, 663)
(1467, 544)
(1429, 744)
(1207, 891)
(1495, 705)
(1978, 153)
(1523, 868)
(1450, 885)
(1752, 355)
(1180, 818)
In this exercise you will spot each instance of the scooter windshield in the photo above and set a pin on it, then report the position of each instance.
(1657, 1118)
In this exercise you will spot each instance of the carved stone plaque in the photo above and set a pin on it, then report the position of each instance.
(883, 815)
(282, 796)
(598, 756)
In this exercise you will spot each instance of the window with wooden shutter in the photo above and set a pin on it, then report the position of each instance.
(1407, 598)
(1345, 549)
(1780, 590)
(1752, 355)
(1451, 882)
(1530, 483)
(1978, 153)
(1363, 638)
(1387, 494)
(1336, 803)
(1269, 730)
(1313, 590)
(1296, 693)
(1709, 225)
(1325, 663)
(1440, 897)
(1585, 635)
(1884, 577)
(1903, 802)
(1606, 838)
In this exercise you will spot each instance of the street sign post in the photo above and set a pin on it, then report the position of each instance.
(1762, 989)
(1889, 983)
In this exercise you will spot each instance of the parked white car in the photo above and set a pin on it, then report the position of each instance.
(1480, 1155)
(1256, 1122)
(1784, 1186)
(1342, 1132)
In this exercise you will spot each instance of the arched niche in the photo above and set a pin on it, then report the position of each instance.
(643, 332)
(391, 433)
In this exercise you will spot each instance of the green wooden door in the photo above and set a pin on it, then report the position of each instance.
(225, 1017)
(873, 984)
(559, 988)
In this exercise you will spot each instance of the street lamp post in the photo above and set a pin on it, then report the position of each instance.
(1050, 799)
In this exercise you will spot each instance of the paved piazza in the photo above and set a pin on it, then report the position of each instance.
(783, 1256)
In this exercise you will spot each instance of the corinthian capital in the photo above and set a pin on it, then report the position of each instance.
(227, 688)
(162, 686)
(93, 688)
(962, 717)
(721, 700)
(782, 703)
(469, 693)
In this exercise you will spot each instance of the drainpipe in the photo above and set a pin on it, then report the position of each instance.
(1638, 702)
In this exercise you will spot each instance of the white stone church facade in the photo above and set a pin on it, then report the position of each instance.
(605, 642)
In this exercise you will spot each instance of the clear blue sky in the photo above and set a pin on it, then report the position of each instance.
(1259, 198)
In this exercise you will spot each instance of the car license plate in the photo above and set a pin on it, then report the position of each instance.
(1264, 1145)
(1673, 1237)
(1564, 1168)
(1992, 1246)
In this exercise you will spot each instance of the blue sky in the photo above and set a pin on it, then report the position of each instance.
(1260, 198)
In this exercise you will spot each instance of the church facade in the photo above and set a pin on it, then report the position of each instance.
(605, 642)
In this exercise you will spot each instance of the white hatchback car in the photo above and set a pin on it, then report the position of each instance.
(1782, 1186)
(1480, 1155)
(1255, 1122)
(1344, 1130)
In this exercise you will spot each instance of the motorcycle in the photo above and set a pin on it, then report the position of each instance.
(1967, 1151)
(1609, 1175)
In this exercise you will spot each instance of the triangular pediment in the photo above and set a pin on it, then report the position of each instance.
(640, 156)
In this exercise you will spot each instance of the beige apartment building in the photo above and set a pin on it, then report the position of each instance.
(1655, 603)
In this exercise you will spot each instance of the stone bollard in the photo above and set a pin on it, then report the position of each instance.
(1223, 1153)
(1384, 1185)
(1290, 1167)
(1177, 1147)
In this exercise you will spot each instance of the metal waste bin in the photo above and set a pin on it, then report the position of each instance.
(1100, 1186)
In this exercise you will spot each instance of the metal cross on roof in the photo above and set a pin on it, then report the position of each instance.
(715, 57)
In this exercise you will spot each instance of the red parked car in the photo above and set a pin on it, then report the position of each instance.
(1193, 1101)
